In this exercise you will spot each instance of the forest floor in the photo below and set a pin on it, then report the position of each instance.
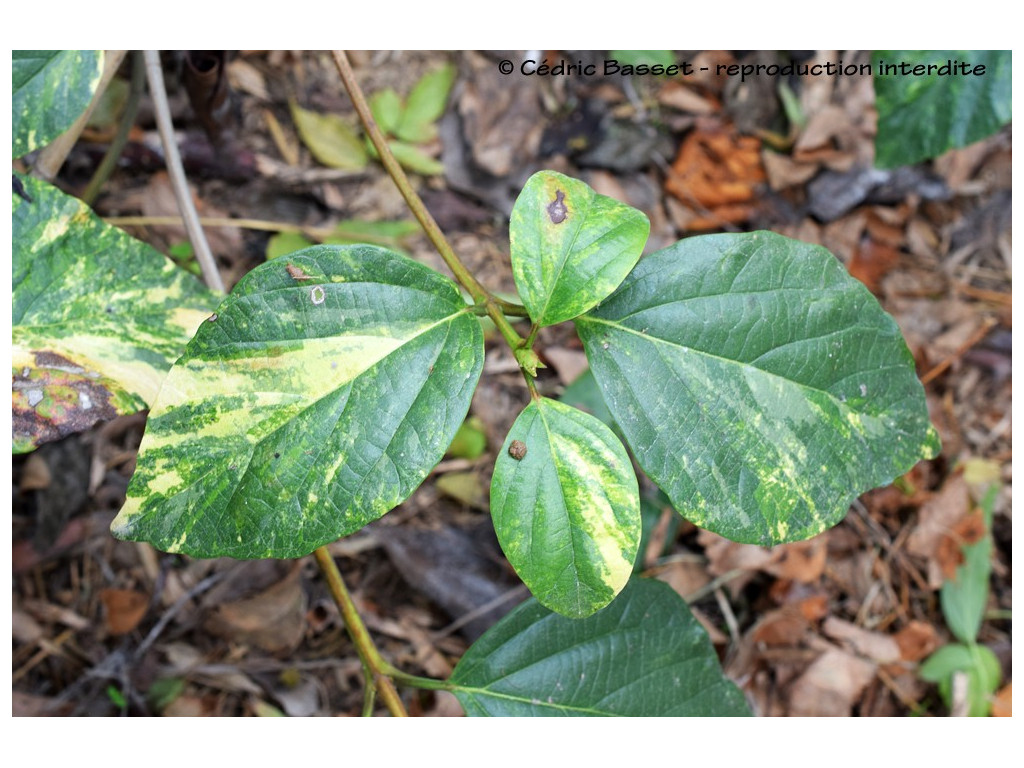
(837, 625)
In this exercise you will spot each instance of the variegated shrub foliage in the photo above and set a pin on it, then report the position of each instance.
(756, 383)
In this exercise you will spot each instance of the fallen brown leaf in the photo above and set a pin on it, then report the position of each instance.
(916, 641)
(936, 519)
(274, 620)
(783, 626)
(830, 686)
(717, 173)
(949, 553)
(876, 646)
(686, 577)
(871, 261)
(1002, 702)
(124, 609)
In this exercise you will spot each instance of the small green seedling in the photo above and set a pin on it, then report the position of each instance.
(408, 125)
(963, 599)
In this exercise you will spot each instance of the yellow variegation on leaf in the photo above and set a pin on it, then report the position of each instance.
(317, 398)
(98, 317)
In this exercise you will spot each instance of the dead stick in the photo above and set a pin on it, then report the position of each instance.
(976, 337)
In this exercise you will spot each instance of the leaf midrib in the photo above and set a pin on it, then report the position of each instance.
(312, 403)
(724, 360)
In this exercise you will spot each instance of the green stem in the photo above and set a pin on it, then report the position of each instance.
(427, 683)
(131, 109)
(376, 669)
(534, 330)
(513, 310)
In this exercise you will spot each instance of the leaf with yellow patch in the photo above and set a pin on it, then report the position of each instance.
(758, 384)
(566, 507)
(98, 317)
(50, 89)
(316, 399)
(571, 247)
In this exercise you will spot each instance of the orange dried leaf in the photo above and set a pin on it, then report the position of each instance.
(802, 561)
(124, 609)
(717, 168)
(917, 640)
(1002, 702)
(814, 608)
(783, 626)
(949, 553)
(871, 261)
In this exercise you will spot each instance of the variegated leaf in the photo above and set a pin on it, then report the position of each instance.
(316, 399)
(98, 317)
(758, 384)
(50, 89)
(571, 247)
(566, 507)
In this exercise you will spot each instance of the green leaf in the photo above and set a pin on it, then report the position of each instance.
(319, 396)
(964, 597)
(644, 655)
(465, 487)
(98, 317)
(164, 691)
(110, 106)
(571, 247)
(116, 697)
(567, 512)
(425, 105)
(50, 90)
(470, 441)
(633, 58)
(414, 159)
(585, 394)
(980, 665)
(759, 385)
(283, 243)
(330, 139)
(922, 116)
(386, 107)
(390, 234)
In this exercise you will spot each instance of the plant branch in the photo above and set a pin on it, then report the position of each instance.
(419, 210)
(131, 109)
(53, 155)
(377, 670)
(190, 217)
(480, 294)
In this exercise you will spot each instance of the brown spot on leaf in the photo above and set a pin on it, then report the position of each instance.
(297, 273)
(557, 210)
(517, 450)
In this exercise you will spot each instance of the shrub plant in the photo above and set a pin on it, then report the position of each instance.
(754, 381)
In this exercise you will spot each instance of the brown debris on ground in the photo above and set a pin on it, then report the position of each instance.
(834, 626)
